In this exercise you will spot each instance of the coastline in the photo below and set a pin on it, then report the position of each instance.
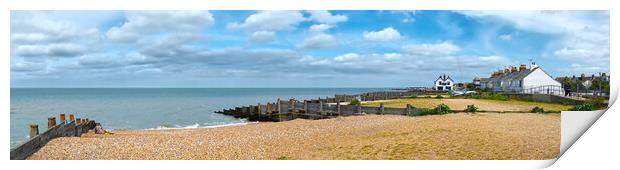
(452, 136)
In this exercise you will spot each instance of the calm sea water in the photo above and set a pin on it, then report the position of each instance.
(146, 108)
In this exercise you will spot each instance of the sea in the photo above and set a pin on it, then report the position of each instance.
(147, 108)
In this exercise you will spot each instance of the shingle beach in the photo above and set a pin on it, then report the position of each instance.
(453, 136)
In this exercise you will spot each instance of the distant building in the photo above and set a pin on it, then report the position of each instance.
(476, 83)
(444, 83)
(522, 80)
(586, 81)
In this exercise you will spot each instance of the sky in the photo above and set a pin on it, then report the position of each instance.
(264, 49)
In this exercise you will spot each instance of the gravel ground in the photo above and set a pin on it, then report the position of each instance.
(452, 136)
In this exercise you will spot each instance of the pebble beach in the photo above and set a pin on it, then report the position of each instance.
(523, 136)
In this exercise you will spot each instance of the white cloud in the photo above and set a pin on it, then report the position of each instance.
(326, 17)
(438, 49)
(387, 34)
(317, 41)
(347, 57)
(37, 36)
(263, 36)
(319, 28)
(577, 35)
(141, 23)
(51, 50)
(505, 37)
(28, 66)
(270, 21)
(318, 38)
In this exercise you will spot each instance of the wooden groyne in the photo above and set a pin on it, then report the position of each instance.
(283, 110)
(65, 128)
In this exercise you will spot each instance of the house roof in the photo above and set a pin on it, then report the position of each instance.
(517, 75)
(444, 78)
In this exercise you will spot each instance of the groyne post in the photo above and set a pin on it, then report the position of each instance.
(291, 105)
(358, 109)
(305, 106)
(260, 110)
(381, 108)
(34, 130)
(51, 122)
(71, 118)
(321, 107)
(62, 118)
(408, 109)
(250, 110)
(268, 108)
(279, 110)
(338, 107)
(78, 121)
(279, 106)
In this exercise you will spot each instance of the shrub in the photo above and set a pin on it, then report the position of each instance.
(598, 102)
(442, 109)
(583, 107)
(471, 109)
(537, 110)
(439, 97)
(355, 102)
(427, 97)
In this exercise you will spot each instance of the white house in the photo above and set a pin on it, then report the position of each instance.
(444, 83)
(533, 80)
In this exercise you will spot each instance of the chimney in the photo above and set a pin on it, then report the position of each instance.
(513, 69)
(533, 66)
(522, 67)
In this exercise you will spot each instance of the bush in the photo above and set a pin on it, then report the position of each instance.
(598, 102)
(583, 107)
(471, 109)
(537, 110)
(441, 109)
(355, 102)
(439, 97)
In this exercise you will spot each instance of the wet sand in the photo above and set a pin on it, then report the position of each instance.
(452, 136)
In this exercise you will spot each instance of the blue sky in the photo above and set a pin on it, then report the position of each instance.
(297, 48)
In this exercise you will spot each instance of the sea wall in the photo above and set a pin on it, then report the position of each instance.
(64, 129)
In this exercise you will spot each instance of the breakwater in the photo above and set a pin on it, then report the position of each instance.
(72, 127)
(283, 110)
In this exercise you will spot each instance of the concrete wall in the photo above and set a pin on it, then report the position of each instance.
(62, 130)
(547, 98)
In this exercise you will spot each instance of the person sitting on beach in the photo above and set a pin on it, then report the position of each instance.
(99, 129)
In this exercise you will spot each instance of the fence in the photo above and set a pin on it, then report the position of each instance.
(73, 127)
